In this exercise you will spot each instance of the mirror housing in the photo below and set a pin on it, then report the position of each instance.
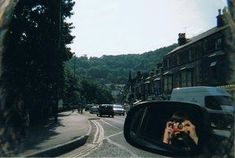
(145, 123)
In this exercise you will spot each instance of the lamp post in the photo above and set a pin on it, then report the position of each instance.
(58, 18)
(74, 67)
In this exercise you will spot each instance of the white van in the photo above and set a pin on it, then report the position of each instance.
(215, 100)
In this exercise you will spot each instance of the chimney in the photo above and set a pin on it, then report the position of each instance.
(181, 39)
(220, 20)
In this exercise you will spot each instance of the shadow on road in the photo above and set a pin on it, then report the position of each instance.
(38, 134)
(63, 114)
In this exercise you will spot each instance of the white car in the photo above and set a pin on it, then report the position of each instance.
(118, 109)
(215, 100)
(94, 109)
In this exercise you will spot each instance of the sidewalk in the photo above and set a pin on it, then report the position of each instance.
(71, 131)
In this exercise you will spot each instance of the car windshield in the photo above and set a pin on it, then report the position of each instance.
(213, 101)
(72, 71)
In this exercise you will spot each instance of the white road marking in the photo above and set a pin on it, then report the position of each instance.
(90, 127)
(110, 124)
(120, 121)
(113, 135)
(123, 148)
(101, 136)
(97, 142)
(89, 148)
(96, 132)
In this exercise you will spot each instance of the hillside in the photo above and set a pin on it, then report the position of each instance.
(115, 69)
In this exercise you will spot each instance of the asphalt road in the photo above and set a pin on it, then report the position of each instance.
(107, 140)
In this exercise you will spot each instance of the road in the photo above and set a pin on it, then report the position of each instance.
(107, 140)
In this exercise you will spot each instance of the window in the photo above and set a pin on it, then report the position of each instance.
(165, 83)
(199, 49)
(189, 78)
(218, 44)
(168, 63)
(176, 81)
(168, 82)
(190, 55)
(196, 74)
(214, 102)
(193, 54)
(177, 59)
(184, 78)
(184, 57)
(210, 45)
(165, 63)
(174, 60)
(158, 87)
(205, 46)
(152, 87)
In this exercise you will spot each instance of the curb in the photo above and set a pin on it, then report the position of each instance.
(62, 148)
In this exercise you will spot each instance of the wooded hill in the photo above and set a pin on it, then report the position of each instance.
(115, 69)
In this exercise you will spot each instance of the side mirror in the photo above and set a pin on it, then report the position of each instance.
(147, 127)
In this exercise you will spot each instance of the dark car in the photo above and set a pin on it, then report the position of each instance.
(105, 109)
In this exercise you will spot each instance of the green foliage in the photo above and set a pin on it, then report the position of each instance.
(71, 90)
(95, 93)
(35, 52)
(115, 69)
(109, 69)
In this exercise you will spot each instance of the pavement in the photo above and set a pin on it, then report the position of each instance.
(54, 139)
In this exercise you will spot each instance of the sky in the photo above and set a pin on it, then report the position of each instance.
(115, 27)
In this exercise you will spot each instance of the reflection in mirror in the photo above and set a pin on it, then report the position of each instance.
(180, 129)
(176, 129)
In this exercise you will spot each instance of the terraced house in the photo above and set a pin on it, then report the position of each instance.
(204, 60)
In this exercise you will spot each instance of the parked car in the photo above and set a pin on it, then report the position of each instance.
(118, 109)
(88, 106)
(215, 100)
(105, 109)
(94, 109)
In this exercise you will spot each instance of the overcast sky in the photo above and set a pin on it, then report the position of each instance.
(113, 27)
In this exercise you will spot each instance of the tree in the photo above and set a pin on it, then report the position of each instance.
(115, 69)
(34, 56)
(71, 90)
(95, 93)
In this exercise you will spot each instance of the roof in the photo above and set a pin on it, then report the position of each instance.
(168, 73)
(200, 89)
(199, 37)
(157, 79)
